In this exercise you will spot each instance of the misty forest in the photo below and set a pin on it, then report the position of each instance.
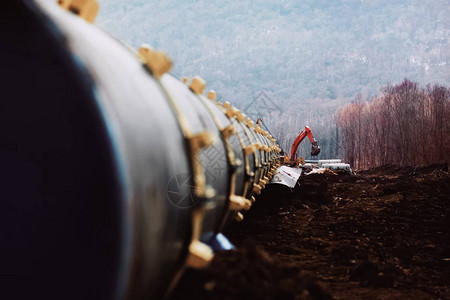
(295, 63)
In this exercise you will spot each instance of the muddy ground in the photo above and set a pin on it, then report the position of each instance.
(380, 234)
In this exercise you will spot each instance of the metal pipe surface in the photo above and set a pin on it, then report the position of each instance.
(115, 174)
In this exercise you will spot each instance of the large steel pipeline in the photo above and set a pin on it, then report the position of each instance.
(116, 176)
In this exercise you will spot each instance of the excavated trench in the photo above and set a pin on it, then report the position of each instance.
(380, 234)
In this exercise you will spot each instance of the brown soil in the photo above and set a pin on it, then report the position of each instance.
(380, 234)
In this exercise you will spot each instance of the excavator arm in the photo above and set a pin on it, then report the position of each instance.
(315, 150)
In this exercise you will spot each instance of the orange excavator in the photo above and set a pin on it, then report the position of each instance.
(292, 160)
(315, 150)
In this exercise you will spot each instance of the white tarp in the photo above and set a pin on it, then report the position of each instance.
(286, 176)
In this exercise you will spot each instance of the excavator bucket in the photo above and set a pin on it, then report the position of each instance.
(315, 150)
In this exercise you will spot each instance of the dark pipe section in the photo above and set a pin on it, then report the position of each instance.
(60, 191)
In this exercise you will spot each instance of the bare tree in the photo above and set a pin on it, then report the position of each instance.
(406, 126)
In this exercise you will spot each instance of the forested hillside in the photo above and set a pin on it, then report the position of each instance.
(308, 57)
(407, 125)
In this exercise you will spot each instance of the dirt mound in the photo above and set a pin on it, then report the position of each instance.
(381, 234)
(250, 273)
(408, 170)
